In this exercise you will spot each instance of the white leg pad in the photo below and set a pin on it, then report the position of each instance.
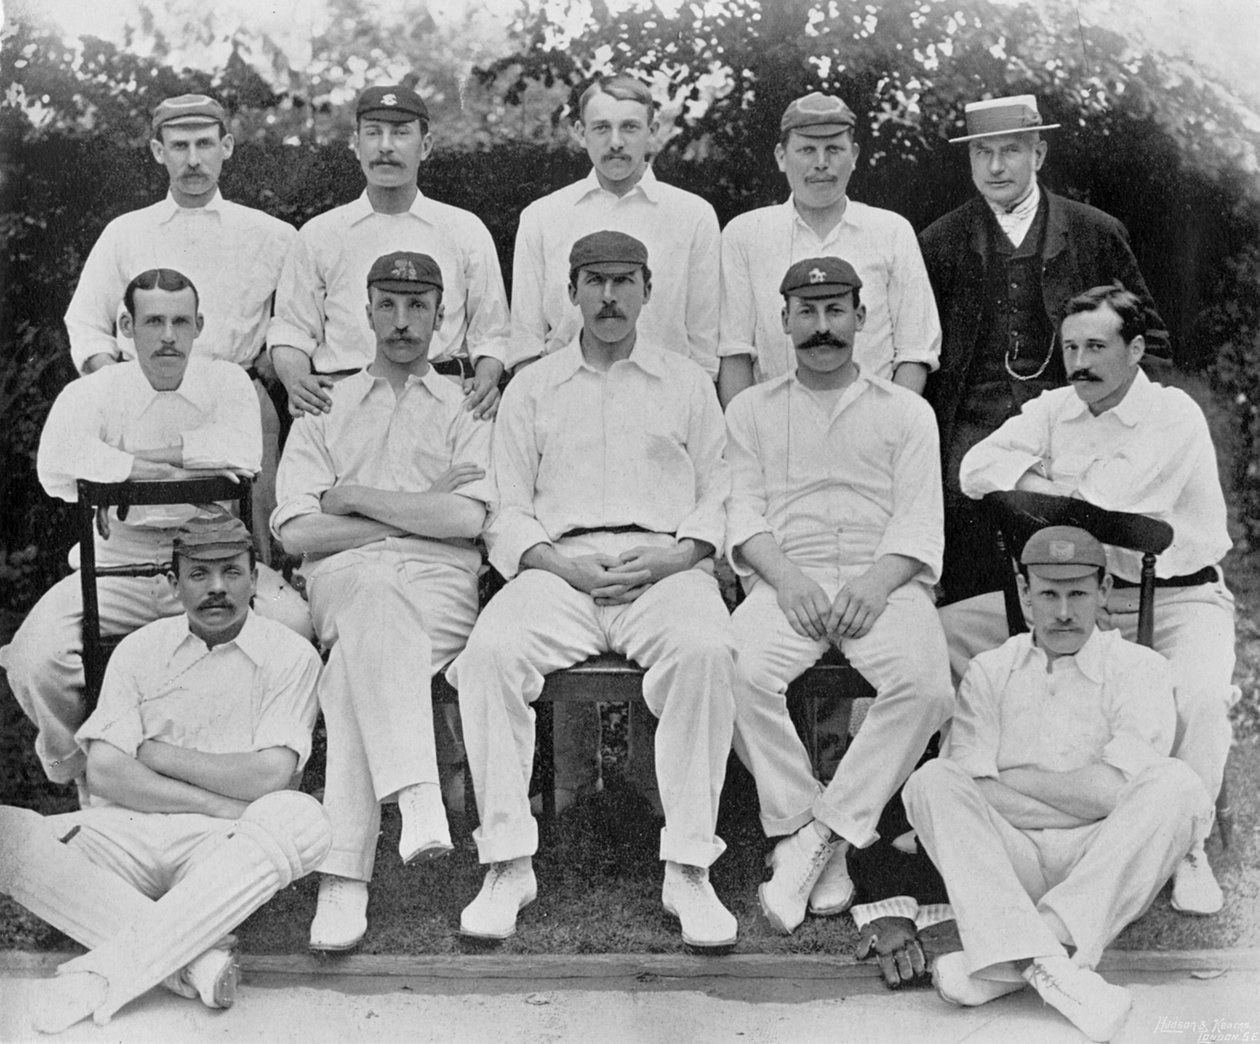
(281, 837)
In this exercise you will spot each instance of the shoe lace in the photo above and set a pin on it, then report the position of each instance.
(499, 871)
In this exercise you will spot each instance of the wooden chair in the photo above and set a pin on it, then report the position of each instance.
(123, 496)
(1017, 514)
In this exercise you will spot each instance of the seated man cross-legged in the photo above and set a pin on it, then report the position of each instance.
(202, 723)
(834, 521)
(383, 495)
(610, 486)
(1054, 813)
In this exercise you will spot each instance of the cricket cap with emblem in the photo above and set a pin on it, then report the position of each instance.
(608, 252)
(392, 103)
(820, 277)
(1063, 553)
(1014, 115)
(189, 109)
(817, 115)
(404, 271)
(215, 534)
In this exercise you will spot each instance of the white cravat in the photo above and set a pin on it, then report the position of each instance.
(1016, 221)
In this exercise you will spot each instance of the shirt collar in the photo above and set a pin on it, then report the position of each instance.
(1129, 411)
(360, 209)
(1024, 209)
(849, 217)
(647, 185)
(1090, 658)
(252, 639)
(193, 387)
(361, 384)
(170, 209)
(643, 355)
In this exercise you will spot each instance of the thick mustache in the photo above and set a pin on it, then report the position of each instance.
(385, 163)
(610, 313)
(215, 603)
(822, 340)
(1084, 375)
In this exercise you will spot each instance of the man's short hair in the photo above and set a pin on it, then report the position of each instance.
(177, 555)
(1124, 303)
(158, 279)
(623, 88)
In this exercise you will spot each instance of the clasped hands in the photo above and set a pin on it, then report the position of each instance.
(811, 614)
(620, 579)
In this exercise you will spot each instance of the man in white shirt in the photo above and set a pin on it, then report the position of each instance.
(1054, 813)
(834, 524)
(232, 253)
(1121, 442)
(164, 415)
(203, 721)
(610, 483)
(616, 125)
(383, 496)
(317, 335)
(901, 339)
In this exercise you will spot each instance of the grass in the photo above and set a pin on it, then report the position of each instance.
(599, 875)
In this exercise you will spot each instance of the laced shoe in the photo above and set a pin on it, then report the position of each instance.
(1092, 1004)
(63, 1000)
(1195, 890)
(425, 833)
(798, 862)
(688, 895)
(509, 887)
(340, 914)
(833, 893)
(958, 986)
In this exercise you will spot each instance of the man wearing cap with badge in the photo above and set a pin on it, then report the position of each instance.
(168, 413)
(1118, 440)
(203, 720)
(610, 489)
(1055, 813)
(383, 495)
(317, 336)
(816, 152)
(1003, 265)
(834, 525)
(232, 254)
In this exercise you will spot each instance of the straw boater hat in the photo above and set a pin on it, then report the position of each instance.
(1014, 115)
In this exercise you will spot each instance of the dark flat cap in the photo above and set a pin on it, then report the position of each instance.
(820, 277)
(215, 534)
(603, 249)
(817, 115)
(403, 271)
(392, 103)
(188, 109)
(1063, 553)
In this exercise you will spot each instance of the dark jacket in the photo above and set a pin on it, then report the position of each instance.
(1084, 248)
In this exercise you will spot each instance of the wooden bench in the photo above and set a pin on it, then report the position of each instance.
(611, 678)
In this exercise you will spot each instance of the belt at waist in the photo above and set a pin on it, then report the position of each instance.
(586, 530)
(1206, 575)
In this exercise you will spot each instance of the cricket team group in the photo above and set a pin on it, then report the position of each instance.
(813, 397)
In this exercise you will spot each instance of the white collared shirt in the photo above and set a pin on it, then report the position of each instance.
(758, 248)
(401, 443)
(836, 489)
(164, 683)
(1016, 222)
(231, 253)
(637, 445)
(98, 420)
(680, 231)
(321, 302)
(1112, 702)
(1150, 454)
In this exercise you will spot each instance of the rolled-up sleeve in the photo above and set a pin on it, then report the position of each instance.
(738, 309)
(706, 439)
(116, 719)
(1000, 460)
(94, 306)
(72, 445)
(1141, 713)
(298, 321)
(305, 474)
(916, 326)
(529, 324)
(513, 528)
(746, 505)
(486, 302)
(916, 526)
(976, 728)
(288, 716)
(703, 292)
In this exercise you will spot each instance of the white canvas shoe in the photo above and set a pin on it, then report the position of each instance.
(798, 862)
(833, 892)
(1092, 1004)
(425, 833)
(688, 895)
(1195, 890)
(508, 888)
(958, 986)
(340, 914)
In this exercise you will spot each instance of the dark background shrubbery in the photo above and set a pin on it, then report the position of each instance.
(1159, 155)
